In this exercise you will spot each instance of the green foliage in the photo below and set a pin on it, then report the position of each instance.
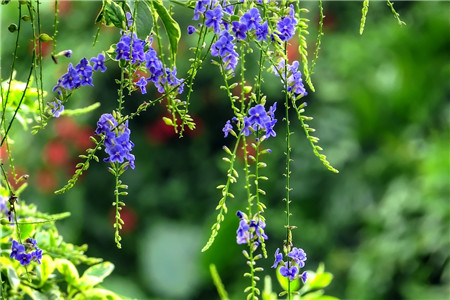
(57, 270)
(171, 26)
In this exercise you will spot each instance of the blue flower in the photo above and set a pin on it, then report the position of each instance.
(251, 18)
(214, 18)
(289, 272)
(227, 128)
(286, 28)
(16, 249)
(200, 7)
(36, 255)
(298, 256)
(260, 119)
(67, 53)
(99, 62)
(71, 79)
(278, 258)
(24, 258)
(84, 68)
(190, 29)
(142, 83)
(56, 108)
(123, 51)
(262, 31)
(239, 29)
(259, 226)
(304, 276)
(117, 140)
(243, 235)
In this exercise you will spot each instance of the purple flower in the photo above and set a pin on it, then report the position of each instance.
(16, 249)
(99, 62)
(84, 68)
(251, 18)
(259, 226)
(298, 256)
(117, 140)
(31, 243)
(24, 258)
(278, 258)
(214, 18)
(190, 29)
(123, 51)
(129, 19)
(56, 108)
(142, 83)
(105, 124)
(67, 53)
(286, 28)
(304, 276)
(243, 235)
(289, 272)
(262, 31)
(227, 128)
(71, 79)
(258, 116)
(239, 29)
(200, 7)
(246, 130)
(36, 255)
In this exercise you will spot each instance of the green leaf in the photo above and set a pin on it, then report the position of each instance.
(321, 280)
(12, 277)
(143, 18)
(172, 27)
(97, 294)
(68, 270)
(113, 15)
(26, 230)
(47, 268)
(95, 274)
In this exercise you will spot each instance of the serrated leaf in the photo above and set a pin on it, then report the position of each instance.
(171, 26)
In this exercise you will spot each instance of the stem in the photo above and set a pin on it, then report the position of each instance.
(12, 67)
(288, 161)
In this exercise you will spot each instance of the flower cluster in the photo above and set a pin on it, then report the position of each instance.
(291, 268)
(250, 230)
(250, 23)
(24, 253)
(294, 80)
(117, 140)
(76, 77)
(131, 48)
(257, 119)
(286, 26)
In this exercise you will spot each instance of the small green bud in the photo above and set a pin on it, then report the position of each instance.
(247, 89)
(168, 121)
(12, 27)
(23, 2)
(26, 18)
(45, 37)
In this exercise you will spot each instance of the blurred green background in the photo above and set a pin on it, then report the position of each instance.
(381, 109)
